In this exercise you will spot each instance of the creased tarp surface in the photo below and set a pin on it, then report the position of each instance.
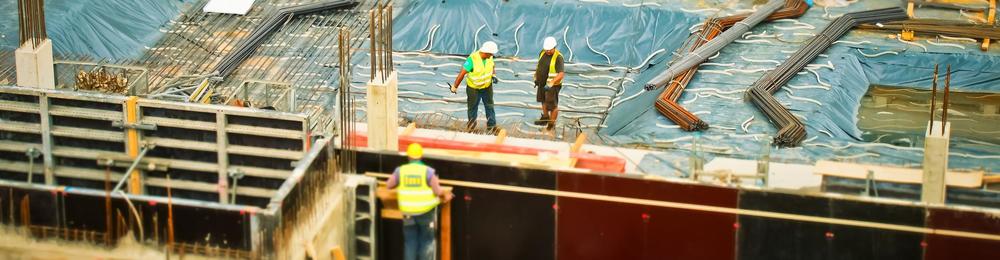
(103, 29)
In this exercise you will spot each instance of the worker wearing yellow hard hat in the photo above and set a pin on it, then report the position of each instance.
(479, 84)
(419, 194)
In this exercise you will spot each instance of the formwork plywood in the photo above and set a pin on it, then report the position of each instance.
(589, 229)
(944, 247)
(768, 238)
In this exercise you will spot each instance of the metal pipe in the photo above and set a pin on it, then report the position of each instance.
(131, 168)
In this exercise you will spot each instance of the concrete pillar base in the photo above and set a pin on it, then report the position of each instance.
(935, 164)
(383, 113)
(35, 67)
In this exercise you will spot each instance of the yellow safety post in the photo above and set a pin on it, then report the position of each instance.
(132, 142)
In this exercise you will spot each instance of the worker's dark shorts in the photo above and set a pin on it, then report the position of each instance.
(549, 97)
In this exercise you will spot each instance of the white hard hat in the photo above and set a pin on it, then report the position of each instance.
(489, 47)
(549, 43)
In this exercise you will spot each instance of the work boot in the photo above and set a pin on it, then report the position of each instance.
(492, 130)
(542, 120)
(551, 125)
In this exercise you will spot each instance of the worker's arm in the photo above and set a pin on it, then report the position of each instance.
(466, 67)
(436, 186)
(559, 68)
(393, 180)
(458, 80)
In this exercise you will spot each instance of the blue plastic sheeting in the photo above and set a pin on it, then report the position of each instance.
(103, 29)
(716, 95)
(626, 31)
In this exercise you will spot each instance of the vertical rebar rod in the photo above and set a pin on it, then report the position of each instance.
(934, 83)
(944, 108)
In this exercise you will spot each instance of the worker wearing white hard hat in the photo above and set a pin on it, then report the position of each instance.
(548, 81)
(479, 68)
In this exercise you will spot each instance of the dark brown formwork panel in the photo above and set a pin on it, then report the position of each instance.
(592, 229)
(945, 247)
(770, 238)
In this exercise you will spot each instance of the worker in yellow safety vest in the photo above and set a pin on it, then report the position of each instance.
(419, 194)
(548, 81)
(479, 68)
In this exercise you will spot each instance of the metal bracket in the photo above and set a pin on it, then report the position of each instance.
(123, 125)
(236, 174)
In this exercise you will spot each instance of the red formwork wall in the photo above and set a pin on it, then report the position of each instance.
(592, 229)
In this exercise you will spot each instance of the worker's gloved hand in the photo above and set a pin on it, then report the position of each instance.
(453, 88)
(447, 196)
(494, 80)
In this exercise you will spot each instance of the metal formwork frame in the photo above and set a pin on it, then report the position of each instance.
(100, 112)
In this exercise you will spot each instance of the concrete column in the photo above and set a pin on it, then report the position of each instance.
(383, 113)
(34, 66)
(935, 162)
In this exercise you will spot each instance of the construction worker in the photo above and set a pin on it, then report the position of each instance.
(548, 81)
(479, 67)
(419, 194)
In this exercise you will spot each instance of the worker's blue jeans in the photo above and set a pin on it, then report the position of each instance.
(486, 95)
(419, 236)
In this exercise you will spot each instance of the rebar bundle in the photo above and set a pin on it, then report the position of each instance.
(380, 33)
(102, 80)
(939, 27)
(791, 130)
(31, 21)
(270, 25)
(701, 53)
(680, 76)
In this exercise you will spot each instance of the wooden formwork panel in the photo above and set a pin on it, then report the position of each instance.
(593, 229)
(945, 247)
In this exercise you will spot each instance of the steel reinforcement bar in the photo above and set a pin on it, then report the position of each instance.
(791, 130)
(269, 26)
(939, 27)
(680, 74)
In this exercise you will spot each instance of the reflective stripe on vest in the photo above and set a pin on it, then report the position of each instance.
(552, 67)
(415, 196)
(481, 75)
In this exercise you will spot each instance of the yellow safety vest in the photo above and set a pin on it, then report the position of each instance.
(481, 75)
(415, 196)
(552, 67)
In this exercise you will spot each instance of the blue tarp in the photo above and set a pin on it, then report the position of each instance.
(102, 29)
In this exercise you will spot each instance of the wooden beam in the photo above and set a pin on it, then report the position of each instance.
(990, 19)
(409, 129)
(501, 136)
(991, 179)
(909, 9)
(337, 254)
(580, 139)
(895, 174)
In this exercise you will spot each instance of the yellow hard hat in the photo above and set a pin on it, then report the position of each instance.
(415, 151)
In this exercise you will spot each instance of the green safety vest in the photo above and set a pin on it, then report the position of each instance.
(481, 75)
(415, 196)
(552, 67)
